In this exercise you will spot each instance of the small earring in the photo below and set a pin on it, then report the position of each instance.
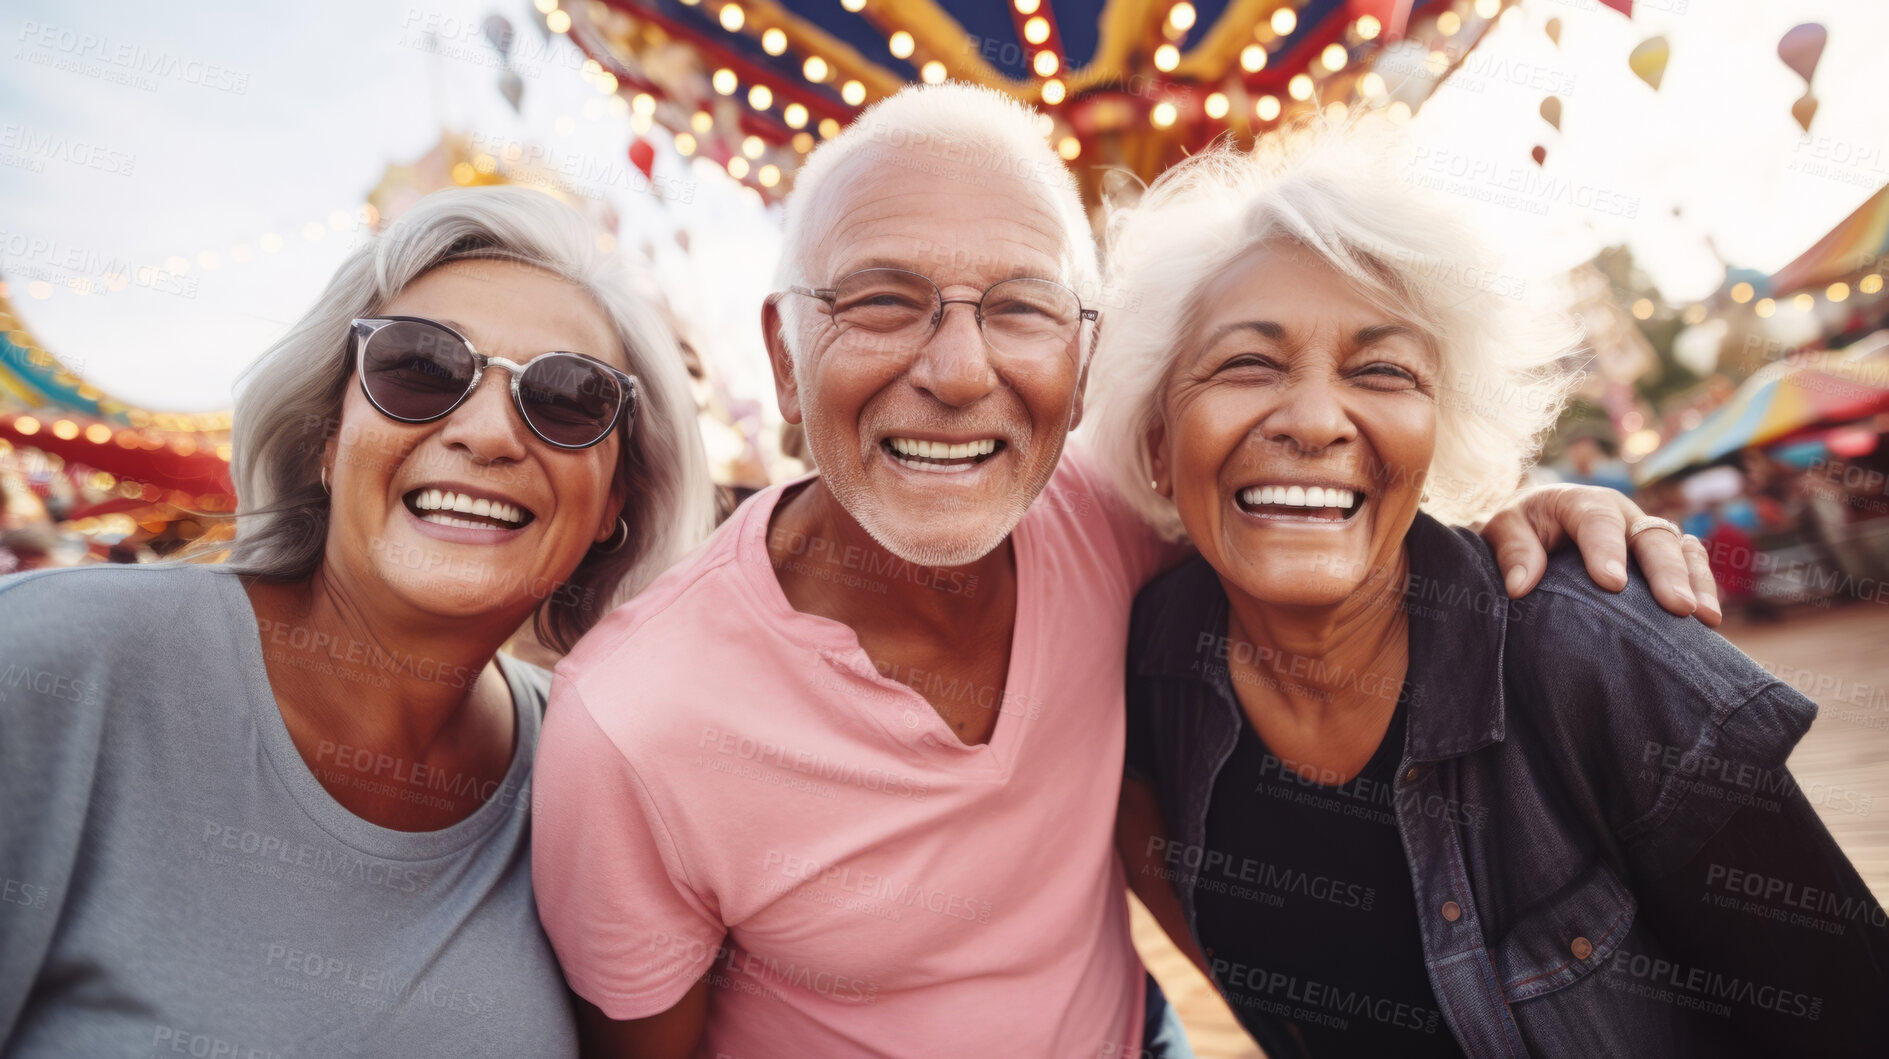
(1424, 499)
(324, 479)
(616, 541)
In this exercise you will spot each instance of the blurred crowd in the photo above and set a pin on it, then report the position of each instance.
(1782, 524)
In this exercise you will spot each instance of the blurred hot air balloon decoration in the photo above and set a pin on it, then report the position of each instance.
(499, 33)
(643, 157)
(1801, 48)
(1648, 60)
(1804, 110)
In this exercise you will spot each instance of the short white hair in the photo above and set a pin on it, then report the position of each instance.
(960, 128)
(1351, 197)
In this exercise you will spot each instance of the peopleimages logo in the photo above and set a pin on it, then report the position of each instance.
(410, 780)
(1795, 895)
(878, 887)
(52, 685)
(748, 972)
(37, 144)
(1308, 1000)
(1706, 989)
(347, 979)
(121, 61)
(347, 866)
(1192, 862)
(810, 763)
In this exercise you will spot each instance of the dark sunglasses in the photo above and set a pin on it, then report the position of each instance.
(416, 370)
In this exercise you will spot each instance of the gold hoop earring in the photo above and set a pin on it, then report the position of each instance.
(616, 540)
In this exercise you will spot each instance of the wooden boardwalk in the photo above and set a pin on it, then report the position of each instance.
(1838, 656)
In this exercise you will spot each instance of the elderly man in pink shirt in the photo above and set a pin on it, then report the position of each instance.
(844, 781)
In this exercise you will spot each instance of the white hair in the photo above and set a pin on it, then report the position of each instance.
(1351, 197)
(949, 128)
(291, 397)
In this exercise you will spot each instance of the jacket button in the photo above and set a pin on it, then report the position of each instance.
(1452, 911)
(1582, 948)
(1412, 774)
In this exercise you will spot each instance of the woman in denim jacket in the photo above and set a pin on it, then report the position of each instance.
(1386, 809)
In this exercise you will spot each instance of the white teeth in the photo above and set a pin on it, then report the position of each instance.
(936, 468)
(438, 500)
(1298, 496)
(942, 450)
(439, 519)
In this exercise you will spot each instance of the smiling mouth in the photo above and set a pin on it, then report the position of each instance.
(444, 507)
(1297, 503)
(942, 457)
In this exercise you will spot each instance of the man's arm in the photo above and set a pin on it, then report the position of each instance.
(1596, 517)
(631, 932)
(674, 1034)
(1138, 833)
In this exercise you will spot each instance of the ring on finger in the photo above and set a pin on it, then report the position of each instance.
(1647, 522)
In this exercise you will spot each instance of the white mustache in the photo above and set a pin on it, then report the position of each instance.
(1012, 430)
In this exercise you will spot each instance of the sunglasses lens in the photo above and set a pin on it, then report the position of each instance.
(415, 371)
(570, 400)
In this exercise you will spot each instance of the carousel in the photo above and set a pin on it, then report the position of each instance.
(86, 477)
(1129, 85)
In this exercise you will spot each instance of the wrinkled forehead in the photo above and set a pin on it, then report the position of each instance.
(960, 217)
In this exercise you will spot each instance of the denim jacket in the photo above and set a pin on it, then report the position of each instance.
(1588, 785)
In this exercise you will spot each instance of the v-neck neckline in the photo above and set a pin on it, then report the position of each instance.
(906, 716)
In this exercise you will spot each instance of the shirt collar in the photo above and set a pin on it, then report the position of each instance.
(1459, 614)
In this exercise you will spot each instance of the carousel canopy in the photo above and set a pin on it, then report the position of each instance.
(1860, 243)
(1128, 84)
(177, 458)
(1781, 401)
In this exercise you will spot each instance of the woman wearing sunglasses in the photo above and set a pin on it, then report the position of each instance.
(280, 804)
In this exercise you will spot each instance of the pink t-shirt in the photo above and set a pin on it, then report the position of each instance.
(727, 785)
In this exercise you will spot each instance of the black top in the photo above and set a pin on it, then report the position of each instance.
(1314, 919)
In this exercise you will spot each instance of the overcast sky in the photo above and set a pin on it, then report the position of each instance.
(134, 133)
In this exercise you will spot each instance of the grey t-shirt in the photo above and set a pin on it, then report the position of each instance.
(174, 880)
